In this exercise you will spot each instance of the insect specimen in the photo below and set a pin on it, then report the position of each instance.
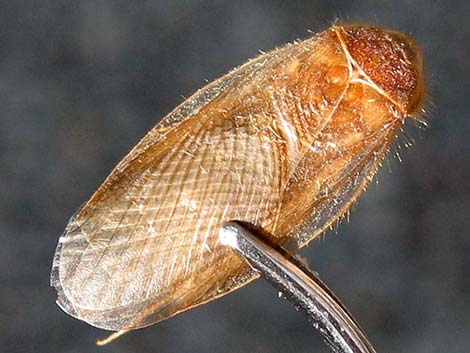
(285, 143)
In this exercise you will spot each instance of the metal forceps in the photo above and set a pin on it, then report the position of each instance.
(302, 287)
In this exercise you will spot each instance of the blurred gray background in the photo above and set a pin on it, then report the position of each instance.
(81, 83)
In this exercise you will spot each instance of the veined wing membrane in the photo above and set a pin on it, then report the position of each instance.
(139, 250)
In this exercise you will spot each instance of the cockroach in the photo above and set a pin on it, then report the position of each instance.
(285, 143)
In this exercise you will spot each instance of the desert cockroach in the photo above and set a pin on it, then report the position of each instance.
(285, 143)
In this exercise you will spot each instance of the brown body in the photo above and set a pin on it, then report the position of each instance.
(286, 143)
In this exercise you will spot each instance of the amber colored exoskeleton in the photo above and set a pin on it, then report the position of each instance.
(285, 142)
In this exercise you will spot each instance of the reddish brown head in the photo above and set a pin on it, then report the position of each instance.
(390, 59)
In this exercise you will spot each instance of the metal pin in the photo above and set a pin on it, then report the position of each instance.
(302, 287)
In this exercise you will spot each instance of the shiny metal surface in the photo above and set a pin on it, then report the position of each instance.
(302, 287)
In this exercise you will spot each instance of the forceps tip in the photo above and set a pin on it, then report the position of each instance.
(301, 286)
(229, 235)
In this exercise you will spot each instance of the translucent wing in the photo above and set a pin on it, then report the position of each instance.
(145, 246)
(286, 143)
(316, 212)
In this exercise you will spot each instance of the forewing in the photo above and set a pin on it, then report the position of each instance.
(145, 246)
(315, 213)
